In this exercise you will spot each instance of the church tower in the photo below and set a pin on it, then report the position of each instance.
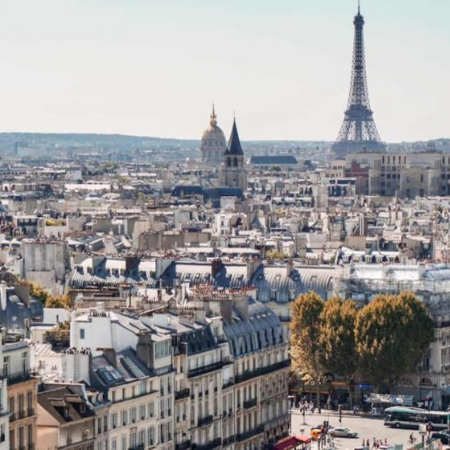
(232, 171)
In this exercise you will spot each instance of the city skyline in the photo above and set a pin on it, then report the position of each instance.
(150, 69)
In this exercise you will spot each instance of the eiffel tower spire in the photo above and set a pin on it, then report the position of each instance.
(358, 131)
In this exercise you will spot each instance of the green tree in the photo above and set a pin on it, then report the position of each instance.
(337, 340)
(392, 334)
(38, 292)
(58, 301)
(305, 338)
(274, 254)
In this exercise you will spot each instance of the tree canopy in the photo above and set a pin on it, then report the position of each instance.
(305, 336)
(380, 342)
(337, 339)
(392, 334)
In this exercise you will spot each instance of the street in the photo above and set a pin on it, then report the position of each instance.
(366, 427)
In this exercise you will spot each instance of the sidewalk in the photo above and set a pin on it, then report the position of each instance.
(344, 413)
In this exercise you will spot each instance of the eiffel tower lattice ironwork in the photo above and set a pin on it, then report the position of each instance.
(358, 131)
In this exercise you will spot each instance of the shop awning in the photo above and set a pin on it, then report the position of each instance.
(287, 443)
(303, 439)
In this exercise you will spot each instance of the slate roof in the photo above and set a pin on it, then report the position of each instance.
(260, 331)
(64, 405)
(273, 160)
(129, 368)
(234, 144)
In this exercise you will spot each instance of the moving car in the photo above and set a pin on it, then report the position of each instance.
(342, 432)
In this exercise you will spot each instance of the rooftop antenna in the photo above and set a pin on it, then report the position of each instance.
(359, 7)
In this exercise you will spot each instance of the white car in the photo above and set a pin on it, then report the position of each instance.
(342, 432)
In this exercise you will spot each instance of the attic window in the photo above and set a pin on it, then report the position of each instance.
(188, 276)
(260, 276)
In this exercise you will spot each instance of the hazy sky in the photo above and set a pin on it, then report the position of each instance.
(153, 67)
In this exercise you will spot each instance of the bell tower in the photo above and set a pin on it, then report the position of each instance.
(232, 172)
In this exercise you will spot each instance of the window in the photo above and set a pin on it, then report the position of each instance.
(162, 349)
(12, 406)
(151, 436)
(114, 421)
(81, 333)
(30, 403)
(124, 418)
(114, 444)
(30, 435)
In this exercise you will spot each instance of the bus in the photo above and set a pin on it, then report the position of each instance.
(403, 417)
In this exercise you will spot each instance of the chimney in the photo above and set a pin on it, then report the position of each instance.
(130, 261)
(240, 302)
(110, 355)
(144, 349)
(23, 292)
(161, 265)
(289, 268)
(252, 267)
(226, 310)
(3, 295)
(216, 265)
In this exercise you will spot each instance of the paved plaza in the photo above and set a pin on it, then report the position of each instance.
(366, 427)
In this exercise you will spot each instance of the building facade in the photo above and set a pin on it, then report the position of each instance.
(22, 392)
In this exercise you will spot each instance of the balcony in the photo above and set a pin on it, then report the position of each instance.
(205, 421)
(228, 384)
(248, 404)
(228, 441)
(249, 374)
(216, 443)
(17, 377)
(184, 393)
(251, 433)
(183, 445)
(205, 369)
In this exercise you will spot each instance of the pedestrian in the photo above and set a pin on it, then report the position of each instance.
(385, 441)
(374, 443)
(368, 443)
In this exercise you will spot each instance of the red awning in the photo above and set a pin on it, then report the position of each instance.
(287, 443)
(303, 439)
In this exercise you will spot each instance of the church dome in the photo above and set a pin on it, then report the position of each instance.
(213, 144)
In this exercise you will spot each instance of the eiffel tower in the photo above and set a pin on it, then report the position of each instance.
(358, 132)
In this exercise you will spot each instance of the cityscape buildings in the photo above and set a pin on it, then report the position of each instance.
(146, 286)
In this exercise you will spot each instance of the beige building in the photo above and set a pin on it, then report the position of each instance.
(406, 175)
(65, 420)
(21, 395)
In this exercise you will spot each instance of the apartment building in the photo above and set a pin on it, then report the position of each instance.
(21, 395)
(4, 410)
(65, 419)
(406, 175)
(132, 393)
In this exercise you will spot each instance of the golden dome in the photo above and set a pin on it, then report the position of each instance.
(213, 133)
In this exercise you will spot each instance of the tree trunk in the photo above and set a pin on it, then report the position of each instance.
(318, 394)
(350, 394)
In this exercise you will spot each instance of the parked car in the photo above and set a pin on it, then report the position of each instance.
(443, 436)
(343, 432)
